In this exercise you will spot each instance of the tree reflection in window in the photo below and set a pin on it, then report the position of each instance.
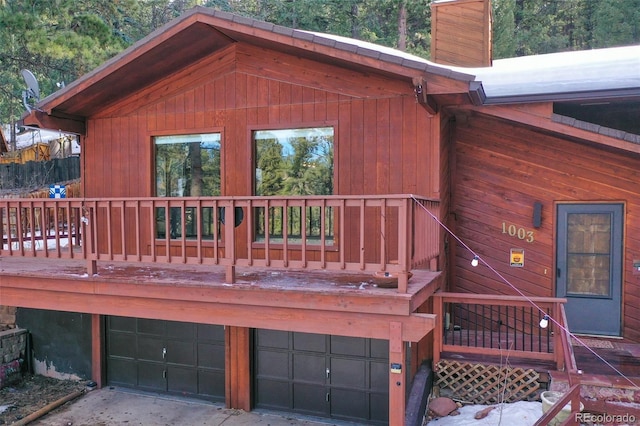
(294, 162)
(187, 166)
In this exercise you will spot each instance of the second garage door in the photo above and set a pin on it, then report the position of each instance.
(329, 376)
(166, 356)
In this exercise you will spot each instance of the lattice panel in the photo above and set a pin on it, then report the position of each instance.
(486, 384)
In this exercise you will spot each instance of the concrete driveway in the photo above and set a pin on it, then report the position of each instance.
(114, 406)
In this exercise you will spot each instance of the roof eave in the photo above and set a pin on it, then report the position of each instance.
(250, 28)
(600, 95)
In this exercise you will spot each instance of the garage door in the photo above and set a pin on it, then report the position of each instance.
(329, 376)
(166, 356)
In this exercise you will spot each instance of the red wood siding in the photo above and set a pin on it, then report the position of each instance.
(382, 142)
(500, 170)
(445, 165)
(385, 142)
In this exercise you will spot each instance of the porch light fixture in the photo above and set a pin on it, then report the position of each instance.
(475, 261)
(544, 322)
(537, 214)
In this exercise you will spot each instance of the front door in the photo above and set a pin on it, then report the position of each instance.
(589, 262)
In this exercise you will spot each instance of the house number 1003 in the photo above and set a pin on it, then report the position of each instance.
(519, 233)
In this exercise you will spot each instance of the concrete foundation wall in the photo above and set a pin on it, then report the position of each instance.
(61, 342)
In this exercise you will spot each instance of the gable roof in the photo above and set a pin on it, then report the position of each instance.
(202, 31)
(571, 76)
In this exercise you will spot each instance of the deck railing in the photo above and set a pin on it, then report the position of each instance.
(485, 324)
(383, 234)
(570, 365)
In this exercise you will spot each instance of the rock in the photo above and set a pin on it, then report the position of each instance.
(442, 406)
(483, 413)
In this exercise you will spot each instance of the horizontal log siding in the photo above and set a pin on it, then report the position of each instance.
(461, 33)
(501, 170)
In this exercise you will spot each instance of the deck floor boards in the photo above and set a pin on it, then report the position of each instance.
(625, 357)
(213, 275)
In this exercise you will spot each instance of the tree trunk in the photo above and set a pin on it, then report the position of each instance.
(355, 31)
(402, 26)
(196, 169)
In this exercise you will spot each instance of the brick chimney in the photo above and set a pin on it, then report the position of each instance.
(461, 32)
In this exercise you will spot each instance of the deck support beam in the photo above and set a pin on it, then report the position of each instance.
(214, 305)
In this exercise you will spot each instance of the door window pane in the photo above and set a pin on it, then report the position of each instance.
(589, 254)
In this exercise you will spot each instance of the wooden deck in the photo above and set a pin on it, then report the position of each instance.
(499, 326)
(504, 342)
(320, 301)
(611, 387)
(388, 234)
(602, 389)
(623, 356)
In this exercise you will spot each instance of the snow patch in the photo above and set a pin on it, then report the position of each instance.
(4, 408)
(522, 413)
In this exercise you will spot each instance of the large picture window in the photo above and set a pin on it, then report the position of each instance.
(294, 162)
(187, 166)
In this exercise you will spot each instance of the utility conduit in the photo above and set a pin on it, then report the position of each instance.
(46, 409)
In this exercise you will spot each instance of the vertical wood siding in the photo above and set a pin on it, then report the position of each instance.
(501, 170)
(383, 138)
(382, 142)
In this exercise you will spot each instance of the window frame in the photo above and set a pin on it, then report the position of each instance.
(188, 210)
(331, 229)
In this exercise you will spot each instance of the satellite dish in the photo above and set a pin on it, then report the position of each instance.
(33, 90)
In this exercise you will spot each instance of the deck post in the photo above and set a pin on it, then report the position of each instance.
(397, 375)
(438, 309)
(237, 367)
(97, 339)
(92, 267)
(403, 282)
(558, 348)
(230, 274)
(230, 243)
(89, 251)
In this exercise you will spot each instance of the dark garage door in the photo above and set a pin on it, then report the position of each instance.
(329, 376)
(166, 356)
